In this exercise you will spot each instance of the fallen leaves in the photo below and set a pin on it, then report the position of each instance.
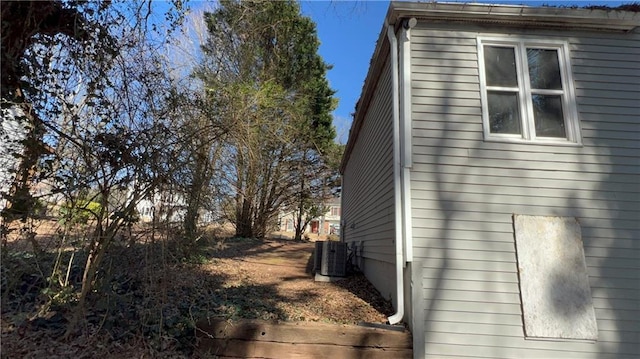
(148, 302)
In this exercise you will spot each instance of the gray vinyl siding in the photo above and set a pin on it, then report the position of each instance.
(465, 191)
(368, 204)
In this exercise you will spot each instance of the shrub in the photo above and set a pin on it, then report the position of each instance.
(78, 213)
(333, 237)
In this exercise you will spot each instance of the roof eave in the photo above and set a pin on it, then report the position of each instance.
(575, 18)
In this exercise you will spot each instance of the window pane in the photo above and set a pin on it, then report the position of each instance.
(544, 69)
(504, 113)
(500, 65)
(548, 116)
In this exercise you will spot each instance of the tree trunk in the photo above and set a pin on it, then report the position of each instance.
(244, 225)
(96, 253)
(299, 229)
(196, 191)
(301, 198)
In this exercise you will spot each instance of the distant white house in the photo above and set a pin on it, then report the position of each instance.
(162, 207)
(329, 223)
(171, 207)
(12, 132)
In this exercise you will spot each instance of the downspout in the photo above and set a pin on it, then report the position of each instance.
(406, 142)
(402, 158)
(397, 179)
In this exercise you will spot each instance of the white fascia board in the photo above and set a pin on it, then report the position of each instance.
(575, 18)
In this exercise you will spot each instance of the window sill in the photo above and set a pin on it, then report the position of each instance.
(543, 339)
(544, 142)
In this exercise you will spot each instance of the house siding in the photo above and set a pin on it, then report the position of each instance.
(465, 191)
(367, 201)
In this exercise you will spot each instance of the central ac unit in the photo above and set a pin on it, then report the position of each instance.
(331, 258)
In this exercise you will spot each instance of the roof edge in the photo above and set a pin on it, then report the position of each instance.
(575, 18)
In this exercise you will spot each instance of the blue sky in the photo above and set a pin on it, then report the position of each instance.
(348, 31)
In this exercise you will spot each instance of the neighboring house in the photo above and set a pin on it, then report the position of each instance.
(491, 181)
(157, 207)
(171, 207)
(329, 223)
(12, 133)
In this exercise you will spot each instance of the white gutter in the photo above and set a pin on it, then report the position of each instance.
(553, 17)
(397, 180)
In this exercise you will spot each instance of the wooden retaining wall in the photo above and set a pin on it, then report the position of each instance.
(260, 339)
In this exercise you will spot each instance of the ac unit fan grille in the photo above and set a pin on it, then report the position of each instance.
(331, 258)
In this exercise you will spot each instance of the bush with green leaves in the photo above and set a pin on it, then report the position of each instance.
(79, 212)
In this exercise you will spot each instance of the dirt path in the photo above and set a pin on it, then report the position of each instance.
(275, 277)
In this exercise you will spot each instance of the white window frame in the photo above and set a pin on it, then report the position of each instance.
(524, 91)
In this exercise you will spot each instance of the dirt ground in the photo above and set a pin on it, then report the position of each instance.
(152, 303)
(279, 272)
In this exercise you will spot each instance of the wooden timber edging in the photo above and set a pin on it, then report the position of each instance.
(220, 338)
